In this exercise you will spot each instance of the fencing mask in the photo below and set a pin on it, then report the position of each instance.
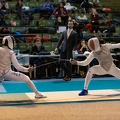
(94, 44)
(8, 41)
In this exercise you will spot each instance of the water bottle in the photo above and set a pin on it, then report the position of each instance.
(18, 52)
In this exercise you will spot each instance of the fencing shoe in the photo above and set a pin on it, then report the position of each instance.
(39, 95)
(83, 92)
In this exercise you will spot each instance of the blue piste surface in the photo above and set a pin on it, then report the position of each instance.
(53, 85)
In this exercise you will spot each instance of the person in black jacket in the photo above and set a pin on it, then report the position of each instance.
(35, 50)
(4, 8)
(67, 43)
(18, 9)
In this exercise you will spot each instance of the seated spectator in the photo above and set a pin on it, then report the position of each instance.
(78, 26)
(23, 11)
(48, 5)
(4, 8)
(61, 14)
(37, 47)
(82, 47)
(94, 16)
(12, 23)
(70, 18)
(86, 5)
(35, 50)
(46, 10)
(18, 9)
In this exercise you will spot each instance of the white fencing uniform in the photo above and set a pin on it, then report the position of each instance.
(103, 55)
(8, 57)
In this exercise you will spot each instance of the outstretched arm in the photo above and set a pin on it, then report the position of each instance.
(113, 46)
(17, 65)
(84, 62)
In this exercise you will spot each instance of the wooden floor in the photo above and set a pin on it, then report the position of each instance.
(17, 102)
(59, 97)
(79, 111)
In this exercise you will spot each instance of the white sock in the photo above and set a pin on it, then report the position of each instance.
(87, 80)
(32, 86)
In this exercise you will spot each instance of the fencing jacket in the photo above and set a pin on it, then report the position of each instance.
(7, 57)
(103, 56)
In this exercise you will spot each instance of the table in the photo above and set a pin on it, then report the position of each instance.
(23, 59)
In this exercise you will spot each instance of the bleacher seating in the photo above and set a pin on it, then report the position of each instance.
(114, 5)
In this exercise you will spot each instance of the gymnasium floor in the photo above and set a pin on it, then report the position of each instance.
(58, 91)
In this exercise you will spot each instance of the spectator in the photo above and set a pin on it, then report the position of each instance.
(86, 5)
(4, 8)
(35, 50)
(74, 21)
(48, 5)
(77, 26)
(82, 47)
(18, 9)
(94, 20)
(61, 14)
(24, 13)
(46, 10)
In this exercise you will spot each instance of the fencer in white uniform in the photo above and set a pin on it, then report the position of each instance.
(102, 52)
(8, 57)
